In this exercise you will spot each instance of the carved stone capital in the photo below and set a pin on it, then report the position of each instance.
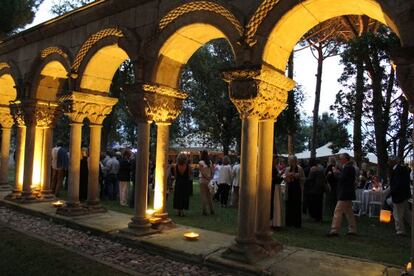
(6, 119)
(260, 93)
(157, 103)
(35, 113)
(79, 106)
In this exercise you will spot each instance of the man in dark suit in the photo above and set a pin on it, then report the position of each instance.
(400, 192)
(346, 193)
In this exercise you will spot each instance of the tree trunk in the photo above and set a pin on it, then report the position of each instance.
(314, 139)
(379, 121)
(403, 129)
(359, 98)
(291, 110)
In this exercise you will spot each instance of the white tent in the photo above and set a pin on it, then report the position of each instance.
(326, 151)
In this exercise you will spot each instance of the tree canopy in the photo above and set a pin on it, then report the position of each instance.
(15, 14)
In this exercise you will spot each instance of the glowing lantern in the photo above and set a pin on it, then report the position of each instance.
(409, 266)
(385, 216)
(58, 204)
(191, 236)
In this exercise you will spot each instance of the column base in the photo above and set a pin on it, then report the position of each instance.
(14, 195)
(245, 252)
(266, 241)
(138, 227)
(46, 196)
(72, 210)
(5, 187)
(139, 223)
(28, 197)
(95, 207)
(164, 218)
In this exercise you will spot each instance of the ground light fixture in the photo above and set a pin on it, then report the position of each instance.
(191, 236)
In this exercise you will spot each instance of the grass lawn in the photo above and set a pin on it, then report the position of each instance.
(376, 241)
(23, 255)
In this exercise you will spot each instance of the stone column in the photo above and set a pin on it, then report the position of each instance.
(264, 181)
(46, 193)
(93, 202)
(275, 105)
(5, 153)
(140, 224)
(252, 92)
(72, 207)
(27, 193)
(160, 190)
(19, 162)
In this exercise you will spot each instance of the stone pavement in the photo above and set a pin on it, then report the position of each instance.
(171, 245)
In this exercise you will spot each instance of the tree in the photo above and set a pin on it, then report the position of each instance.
(289, 127)
(15, 14)
(212, 114)
(323, 42)
(63, 6)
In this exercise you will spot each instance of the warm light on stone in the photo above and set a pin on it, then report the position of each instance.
(191, 236)
(58, 203)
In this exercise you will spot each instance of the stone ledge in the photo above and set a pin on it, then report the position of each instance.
(207, 251)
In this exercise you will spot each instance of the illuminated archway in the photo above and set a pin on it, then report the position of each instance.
(52, 79)
(101, 68)
(288, 31)
(178, 49)
(174, 53)
(8, 93)
(8, 90)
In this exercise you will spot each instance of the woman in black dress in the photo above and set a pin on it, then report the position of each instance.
(295, 178)
(182, 182)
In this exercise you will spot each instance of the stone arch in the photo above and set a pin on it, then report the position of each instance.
(279, 31)
(101, 56)
(8, 84)
(182, 37)
(49, 74)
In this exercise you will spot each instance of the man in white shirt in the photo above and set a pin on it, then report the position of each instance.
(225, 181)
(111, 183)
(59, 167)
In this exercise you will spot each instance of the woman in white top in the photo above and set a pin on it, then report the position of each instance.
(225, 178)
(206, 169)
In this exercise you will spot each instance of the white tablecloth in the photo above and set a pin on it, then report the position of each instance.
(369, 196)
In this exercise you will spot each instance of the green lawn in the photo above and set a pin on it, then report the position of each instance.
(23, 255)
(376, 241)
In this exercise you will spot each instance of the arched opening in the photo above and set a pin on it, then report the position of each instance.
(298, 21)
(8, 94)
(287, 32)
(101, 68)
(52, 79)
(179, 48)
(177, 52)
(8, 91)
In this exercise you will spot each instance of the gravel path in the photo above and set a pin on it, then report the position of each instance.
(101, 248)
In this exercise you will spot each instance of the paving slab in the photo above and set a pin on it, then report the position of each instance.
(173, 240)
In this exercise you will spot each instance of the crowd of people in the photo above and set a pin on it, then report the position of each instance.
(309, 185)
(297, 189)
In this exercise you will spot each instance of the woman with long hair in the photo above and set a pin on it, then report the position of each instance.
(206, 169)
(181, 189)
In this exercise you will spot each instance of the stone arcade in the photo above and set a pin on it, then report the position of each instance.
(66, 66)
